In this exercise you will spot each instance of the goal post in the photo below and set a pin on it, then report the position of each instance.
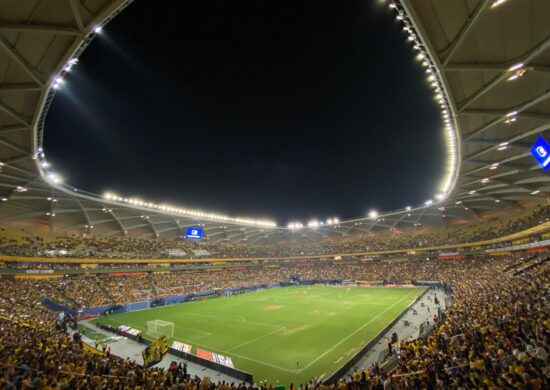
(157, 328)
(133, 306)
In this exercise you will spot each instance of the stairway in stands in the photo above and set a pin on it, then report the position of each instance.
(103, 289)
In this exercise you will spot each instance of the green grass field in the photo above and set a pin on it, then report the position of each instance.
(283, 335)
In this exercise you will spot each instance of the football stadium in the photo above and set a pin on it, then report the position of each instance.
(112, 290)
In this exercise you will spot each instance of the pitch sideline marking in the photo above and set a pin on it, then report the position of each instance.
(256, 339)
(246, 358)
(234, 354)
(231, 353)
(351, 334)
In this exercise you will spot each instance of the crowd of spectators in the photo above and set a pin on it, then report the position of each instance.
(495, 336)
(122, 289)
(29, 244)
(81, 291)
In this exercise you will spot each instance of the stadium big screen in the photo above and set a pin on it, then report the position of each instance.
(193, 233)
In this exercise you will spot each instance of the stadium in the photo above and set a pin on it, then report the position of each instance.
(108, 290)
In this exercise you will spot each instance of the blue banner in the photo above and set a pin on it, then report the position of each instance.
(193, 233)
(541, 151)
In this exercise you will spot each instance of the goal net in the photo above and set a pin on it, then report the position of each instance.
(157, 328)
(133, 306)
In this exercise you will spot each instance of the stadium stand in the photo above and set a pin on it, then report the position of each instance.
(496, 335)
(31, 243)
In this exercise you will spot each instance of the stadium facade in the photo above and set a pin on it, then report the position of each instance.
(488, 62)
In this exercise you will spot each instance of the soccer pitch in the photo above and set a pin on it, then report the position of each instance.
(285, 334)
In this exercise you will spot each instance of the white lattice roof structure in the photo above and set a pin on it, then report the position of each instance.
(488, 62)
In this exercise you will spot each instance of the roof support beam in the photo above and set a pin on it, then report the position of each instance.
(52, 212)
(501, 163)
(519, 145)
(33, 197)
(95, 224)
(519, 109)
(176, 222)
(525, 59)
(475, 67)
(534, 131)
(13, 129)
(76, 15)
(400, 219)
(14, 146)
(28, 214)
(144, 235)
(420, 215)
(17, 57)
(167, 229)
(20, 87)
(516, 184)
(523, 114)
(13, 160)
(136, 226)
(465, 30)
(12, 177)
(117, 220)
(15, 186)
(84, 212)
(153, 228)
(500, 199)
(469, 209)
(260, 237)
(252, 235)
(43, 28)
(224, 232)
(15, 115)
(241, 234)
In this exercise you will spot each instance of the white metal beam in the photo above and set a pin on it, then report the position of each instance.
(525, 59)
(18, 58)
(465, 30)
(42, 28)
(76, 15)
(519, 109)
(14, 114)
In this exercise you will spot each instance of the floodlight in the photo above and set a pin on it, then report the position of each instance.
(313, 223)
(496, 3)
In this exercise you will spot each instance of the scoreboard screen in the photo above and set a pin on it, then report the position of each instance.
(193, 233)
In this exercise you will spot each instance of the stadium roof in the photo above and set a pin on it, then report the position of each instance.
(487, 60)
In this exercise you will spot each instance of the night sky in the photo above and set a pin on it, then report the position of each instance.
(289, 110)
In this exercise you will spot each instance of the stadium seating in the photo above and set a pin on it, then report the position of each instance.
(496, 334)
(27, 243)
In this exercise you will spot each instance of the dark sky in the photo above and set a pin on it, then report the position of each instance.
(284, 109)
